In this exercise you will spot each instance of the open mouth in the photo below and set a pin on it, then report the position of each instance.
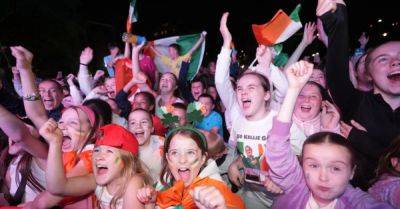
(246, 103)
(101, 169)
(184, 173)
(66, 143)
(394, 76)
(305, 108)
(139, 134)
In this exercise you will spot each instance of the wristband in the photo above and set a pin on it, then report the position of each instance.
(83, 64)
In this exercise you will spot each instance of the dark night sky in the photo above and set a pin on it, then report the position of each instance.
(56, 31)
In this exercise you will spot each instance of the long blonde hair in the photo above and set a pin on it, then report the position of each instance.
(132, 167)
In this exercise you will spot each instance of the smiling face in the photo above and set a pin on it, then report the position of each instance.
(328, 169)
(110, 86)
(141, 125)
(140, 101)
(308, 103)
(167, 83)
(173, 52)
(107, 164)
(252, 97)
(75, 126)
(181, 114)
(184, 158)
(197, 89)
(383, 65)
(51, 94)
(208, 104)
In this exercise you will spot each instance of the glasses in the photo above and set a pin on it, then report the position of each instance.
(188, 155)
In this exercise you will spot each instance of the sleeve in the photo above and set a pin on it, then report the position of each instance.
(285, 170)
(223, 84)
(337, 64)
(364, 144)
(76, 95)
(17, 87)
(85, 81)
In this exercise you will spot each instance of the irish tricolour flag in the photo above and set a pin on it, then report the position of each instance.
(186, 42)
(279, 28)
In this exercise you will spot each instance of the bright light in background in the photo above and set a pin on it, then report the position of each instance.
(380, 20)
(384, 34)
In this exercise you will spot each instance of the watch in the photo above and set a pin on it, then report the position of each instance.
(31, 97)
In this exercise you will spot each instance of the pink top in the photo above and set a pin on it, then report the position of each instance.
(148, 67)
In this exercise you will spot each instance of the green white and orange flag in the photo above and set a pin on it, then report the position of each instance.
(186, 42)
(279, 28)
(132, 17)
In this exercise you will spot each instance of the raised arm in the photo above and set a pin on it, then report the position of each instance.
(56, 180)
(33, 104)
(135, 58)
(74, 91)
(222, 81)
(308, 38)
(19, 133)
(334, 19)
(285, 169)
(198, 43)
(127, 50)
(84, 78)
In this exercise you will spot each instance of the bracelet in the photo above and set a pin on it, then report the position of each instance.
(31, 97)
(83, 64)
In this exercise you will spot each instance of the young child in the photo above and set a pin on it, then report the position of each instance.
(117, 171)
(212, 120)
(251, 116)
(313, 113)
(150, 146)
(387, 183)
(327, 161)
(188, 180)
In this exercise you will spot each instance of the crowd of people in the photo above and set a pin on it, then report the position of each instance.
(322, 133)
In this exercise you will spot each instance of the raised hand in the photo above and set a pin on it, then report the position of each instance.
(223, 28)
(98, 74)
(23, 57)
(330, 116)
(298, 74)
(270, 186)
(147, 195)
(51, 132)
(264, 55)
(325, 6)
(70, 79)
(208, 197)
(86, 56)
(136, 48)
(234, 174)
(308, 34)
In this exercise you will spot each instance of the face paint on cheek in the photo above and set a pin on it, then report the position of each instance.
(307, 176)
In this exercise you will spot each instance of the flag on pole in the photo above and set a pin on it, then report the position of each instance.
(279, 28)
(132, 17)
(186, 42)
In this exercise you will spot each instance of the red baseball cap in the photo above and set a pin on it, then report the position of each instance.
(117, 136)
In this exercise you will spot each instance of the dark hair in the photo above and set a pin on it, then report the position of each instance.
(332, 138)
(198, 79)
(197, 137)
(101, 109)
(149, 98)
(324, 93)
(208, 96)
(385, 165)
(176, 47)
(179, 105)
(263, 80)
(112, 45)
